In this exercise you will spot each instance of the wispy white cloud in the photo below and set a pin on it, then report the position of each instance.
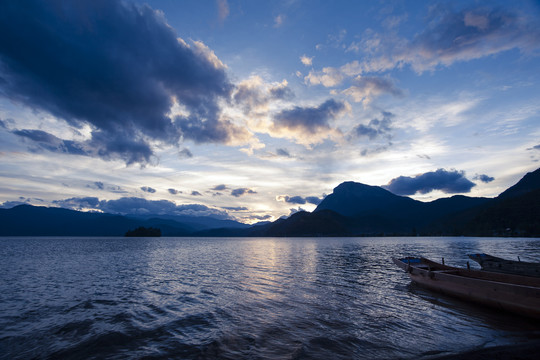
(279, 20)
(307, 61)
(328, 77)
(449, 38)
(365, 89)
(223, 9)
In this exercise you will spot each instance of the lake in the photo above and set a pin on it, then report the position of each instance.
(242, 298)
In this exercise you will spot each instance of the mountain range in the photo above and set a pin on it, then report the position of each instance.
(353, 209)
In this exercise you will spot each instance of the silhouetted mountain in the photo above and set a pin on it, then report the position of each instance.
(195, 223)
(372, 210)
(356, 199)
(27, 220)
(353, 209)
(530, 182)
(321, 223)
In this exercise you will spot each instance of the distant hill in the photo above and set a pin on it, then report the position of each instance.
(353, 209)
(27, 220)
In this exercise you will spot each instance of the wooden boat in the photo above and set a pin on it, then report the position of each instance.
(515, 293)
(496, 264)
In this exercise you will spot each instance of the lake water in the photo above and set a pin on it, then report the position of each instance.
(242, 298)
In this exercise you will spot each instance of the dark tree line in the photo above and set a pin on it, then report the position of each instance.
(141, 231)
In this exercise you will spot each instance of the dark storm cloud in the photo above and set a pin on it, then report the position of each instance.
(45, 141)
(110, 146)
(242, 191)
(449, 182)
(300, 200)
(376, 127)
(310, 119)
(148, 189)
(133, 205)
(102, 144)
(115, 66)
(484, 178)
(206, 128)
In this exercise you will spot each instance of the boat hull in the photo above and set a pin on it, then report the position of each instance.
(496, 264)
(516, 294)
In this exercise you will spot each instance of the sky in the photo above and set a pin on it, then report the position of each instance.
(254, 110)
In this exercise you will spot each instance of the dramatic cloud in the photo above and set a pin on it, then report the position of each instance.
(242, 191)
(470, 34)
(310, 119)
(450, 37)
(367, 88)
(375, 128)
(220, 187)
(44, 140)
(254, 95)
(299, 199)
(148, 189)
(449, 182)
(195, 193)
(174, 191)
(484, 178)
(133, 205)
(115, 66)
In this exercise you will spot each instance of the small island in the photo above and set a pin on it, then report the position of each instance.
(141, 231)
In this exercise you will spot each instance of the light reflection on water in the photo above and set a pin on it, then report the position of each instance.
(257, 298)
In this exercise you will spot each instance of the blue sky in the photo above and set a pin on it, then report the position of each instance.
(253, 110)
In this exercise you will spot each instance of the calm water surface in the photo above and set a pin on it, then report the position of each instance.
(235, 298)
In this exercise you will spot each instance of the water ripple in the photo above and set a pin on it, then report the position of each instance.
(115, 298)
